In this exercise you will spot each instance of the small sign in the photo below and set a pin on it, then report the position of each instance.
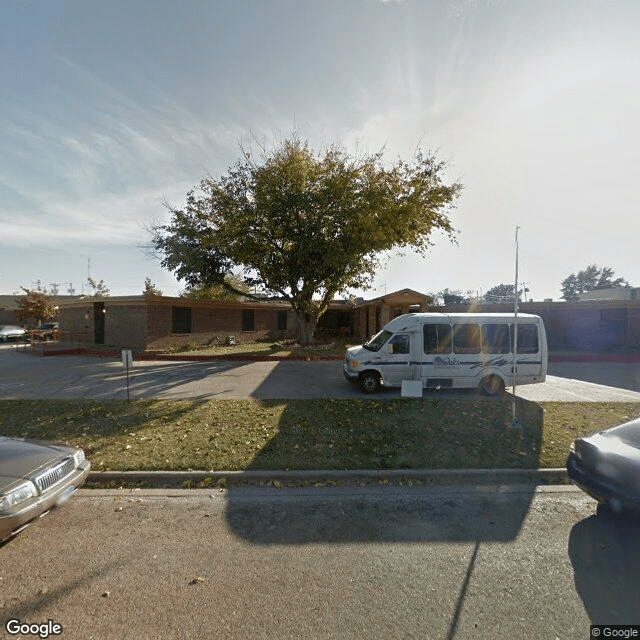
(127, 358)
(411, 389)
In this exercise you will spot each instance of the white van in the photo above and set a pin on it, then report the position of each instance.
(452, 350)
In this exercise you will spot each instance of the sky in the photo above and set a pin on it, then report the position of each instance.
(110, 109)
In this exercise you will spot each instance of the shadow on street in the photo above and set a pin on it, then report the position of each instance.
(605, 553)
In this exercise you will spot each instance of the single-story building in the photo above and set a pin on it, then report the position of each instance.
(160, 323)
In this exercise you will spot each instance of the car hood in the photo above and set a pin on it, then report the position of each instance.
(18, 458)
(613, 458)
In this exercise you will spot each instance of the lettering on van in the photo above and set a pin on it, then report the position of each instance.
(440, 362)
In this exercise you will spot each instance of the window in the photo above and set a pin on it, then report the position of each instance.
(437, 338)
(495, 338)
(377, 341)
(181, 320)
(281, 321)
(248, 319)
(527, 338)
(466, 338)
(399, 343)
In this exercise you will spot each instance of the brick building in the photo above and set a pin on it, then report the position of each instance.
(167, 323)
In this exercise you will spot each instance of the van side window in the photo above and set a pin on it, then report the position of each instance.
(495, 338)
(437, 338)
(466, 338)
(400, 343)
(527, 338)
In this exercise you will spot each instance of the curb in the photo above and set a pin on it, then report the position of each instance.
(283, 477)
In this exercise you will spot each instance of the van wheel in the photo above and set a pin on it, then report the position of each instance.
(370, 382)
(491, 386)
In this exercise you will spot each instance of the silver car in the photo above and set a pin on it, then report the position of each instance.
(35, 477)
(11, 332)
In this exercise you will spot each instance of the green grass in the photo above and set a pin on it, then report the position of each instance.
(311, 434)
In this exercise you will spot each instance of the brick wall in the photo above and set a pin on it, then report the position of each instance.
(76, 324)
(125, 326)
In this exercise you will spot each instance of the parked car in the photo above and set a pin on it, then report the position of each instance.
(607, 466)
(35, 477)
(46, 331)
(11, 332)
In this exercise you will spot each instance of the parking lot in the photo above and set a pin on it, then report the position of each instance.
(25, 376)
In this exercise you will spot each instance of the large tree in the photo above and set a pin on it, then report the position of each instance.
(37, 305)
(305, 225)
(589, 279)
(501, 293)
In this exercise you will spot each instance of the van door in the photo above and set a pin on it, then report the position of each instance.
(395, 359)
(438, 365)
(529, 367)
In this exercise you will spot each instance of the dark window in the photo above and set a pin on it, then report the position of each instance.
(466, 338)
(400, 344)
(248, 319)
(495, 338)
(181, 320)
(282, 321)
(437, 338)
(527, 338)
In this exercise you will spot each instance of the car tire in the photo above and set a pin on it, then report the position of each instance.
(491, 386)
(370, 382)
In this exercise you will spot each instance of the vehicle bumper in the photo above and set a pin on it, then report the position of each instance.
(599, 487)
(12, 521)
(351, 376)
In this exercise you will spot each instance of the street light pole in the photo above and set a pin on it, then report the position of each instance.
(514, 421)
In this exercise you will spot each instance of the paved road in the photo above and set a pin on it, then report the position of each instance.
(385, 562)
(26, 376)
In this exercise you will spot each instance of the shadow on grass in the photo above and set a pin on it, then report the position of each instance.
(92, 425)
(392, 434)
(605, 554)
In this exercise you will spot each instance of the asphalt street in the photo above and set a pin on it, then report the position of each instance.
(497, 562)
(26, 376)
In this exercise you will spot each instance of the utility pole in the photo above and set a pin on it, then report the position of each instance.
(514, 421)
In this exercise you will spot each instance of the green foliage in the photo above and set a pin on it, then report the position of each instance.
(451, 296)
(304, 225)
(100, 289)
(218, 292)
(501, 293)
(590, 279)
(150, 289)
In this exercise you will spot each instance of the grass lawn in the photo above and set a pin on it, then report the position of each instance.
(312, 434)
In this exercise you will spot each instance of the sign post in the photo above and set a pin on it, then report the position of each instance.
(127, 362)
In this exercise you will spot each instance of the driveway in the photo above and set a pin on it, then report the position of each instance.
(25, 376)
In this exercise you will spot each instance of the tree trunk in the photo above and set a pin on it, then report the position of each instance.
(306, 327)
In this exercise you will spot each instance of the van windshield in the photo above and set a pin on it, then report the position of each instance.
(377, 341)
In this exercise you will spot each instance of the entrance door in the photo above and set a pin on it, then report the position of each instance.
(98, 322)
(395, 360)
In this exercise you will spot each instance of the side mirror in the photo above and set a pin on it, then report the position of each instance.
(389, 348)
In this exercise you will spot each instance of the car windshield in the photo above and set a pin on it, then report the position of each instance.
(377, 341)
